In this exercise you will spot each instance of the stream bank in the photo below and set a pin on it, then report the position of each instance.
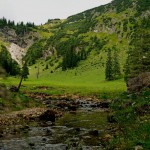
(78, 124)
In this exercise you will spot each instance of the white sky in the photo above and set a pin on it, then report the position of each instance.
(39, 11)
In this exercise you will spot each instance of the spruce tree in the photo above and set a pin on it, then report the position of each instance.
(138, 59)
(116, 65)
(109, 67)
(70, 58)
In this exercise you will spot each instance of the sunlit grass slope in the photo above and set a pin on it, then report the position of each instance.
(86, 79)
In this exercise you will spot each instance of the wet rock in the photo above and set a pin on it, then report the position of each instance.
(94, 132)
(42, 131)
(48, 131)
(55, 147)
(91, 148)
(46, 123)
(49, 123)
(48, 115)
(72, 107)
(37, 140)
(74, 142)
(77, 129)
(15, 144)
(62, 104)
(26, 127)
(86, 137)
(1, 135)
(31, 144)
(105, 104)
(44, 139)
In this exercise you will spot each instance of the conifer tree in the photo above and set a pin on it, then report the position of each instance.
(24, 74)
(109, 67)
(25, 71)
(138, 59)
(116, 65)
(70, 58)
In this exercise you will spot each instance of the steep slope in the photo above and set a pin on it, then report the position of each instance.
(87, 35)
(92, 33)
(17, 53)
(19, 37)
(16, 40)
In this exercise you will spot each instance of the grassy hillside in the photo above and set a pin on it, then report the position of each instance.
(99, 29)
(90, 35)
(86, 79)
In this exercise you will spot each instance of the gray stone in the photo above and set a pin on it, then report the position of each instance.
(91, 148)
(55, 147)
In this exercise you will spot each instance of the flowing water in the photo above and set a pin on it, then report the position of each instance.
(81, 129)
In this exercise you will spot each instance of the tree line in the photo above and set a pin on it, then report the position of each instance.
(112, 68)
(21, 28)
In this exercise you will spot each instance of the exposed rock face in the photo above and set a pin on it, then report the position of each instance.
(17, 53)
(23, 41)
(138, 83)
(18, 43)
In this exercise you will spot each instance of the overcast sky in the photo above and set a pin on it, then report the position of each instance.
(39, 11)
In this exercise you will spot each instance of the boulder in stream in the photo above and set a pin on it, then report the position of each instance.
(48, 115)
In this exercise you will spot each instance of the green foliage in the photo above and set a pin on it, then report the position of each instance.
(7, 63)
(109, 67)
(70, 58)
(127, 68)
(20, 28)
(25, 71)
(83, 54)
(138, 58)
(87, 25)
(125, 27)
(132, 116)
(116, 65)
(4, 23)
(74, 18)
(142, 5)
(96, 43)
(122, 5)
(46, 66)
(112, 70)
(35, 52)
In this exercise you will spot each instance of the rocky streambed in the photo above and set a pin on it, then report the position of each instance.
(62, 125)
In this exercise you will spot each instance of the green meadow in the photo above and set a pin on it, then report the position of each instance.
(88, 79)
